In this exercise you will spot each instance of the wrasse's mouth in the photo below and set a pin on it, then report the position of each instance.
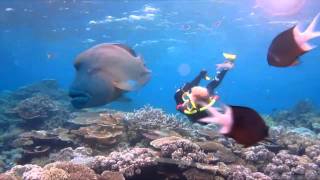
(79, 98)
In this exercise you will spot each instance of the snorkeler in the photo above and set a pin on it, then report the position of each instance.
(243, 124)
(187, 96)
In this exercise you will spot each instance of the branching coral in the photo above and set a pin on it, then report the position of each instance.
(258, 155)
(129, 162)
(287, 166)
(150, 118)
(239, 172)
(180, 149)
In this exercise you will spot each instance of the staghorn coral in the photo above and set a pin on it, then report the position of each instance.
(180, 149)
(153, 118)
(287, 166)
(149, 119)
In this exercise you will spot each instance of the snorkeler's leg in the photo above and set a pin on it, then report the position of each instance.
(195, 81)
(216, 81)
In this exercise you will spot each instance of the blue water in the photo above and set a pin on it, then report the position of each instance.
(41, 38)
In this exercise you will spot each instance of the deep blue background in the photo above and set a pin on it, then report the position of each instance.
(182, 32)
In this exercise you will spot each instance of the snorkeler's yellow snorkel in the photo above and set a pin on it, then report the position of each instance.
(228, 56)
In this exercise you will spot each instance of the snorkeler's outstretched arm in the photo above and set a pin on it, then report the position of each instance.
(195, 81)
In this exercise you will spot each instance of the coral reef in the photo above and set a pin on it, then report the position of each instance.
(295, 142)
(303, 114)
(99, 118)
(102, 135)
(238, 172)
(313, 152)
(74, 171)
(110, 175)
(36, 107)
(129, 162)
(180, 149)
(287, 166)
(41, 109)
(9, 158)
(149, 117)
(53, 171)
(49, 87)
(37, 144)
(68, 154)
(43, 137)
(259, 156)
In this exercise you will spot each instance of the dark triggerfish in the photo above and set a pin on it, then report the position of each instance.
(289, 45)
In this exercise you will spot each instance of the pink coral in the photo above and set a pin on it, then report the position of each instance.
(129, 162)
(287, 166)
(75, 171)
(180, 149)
